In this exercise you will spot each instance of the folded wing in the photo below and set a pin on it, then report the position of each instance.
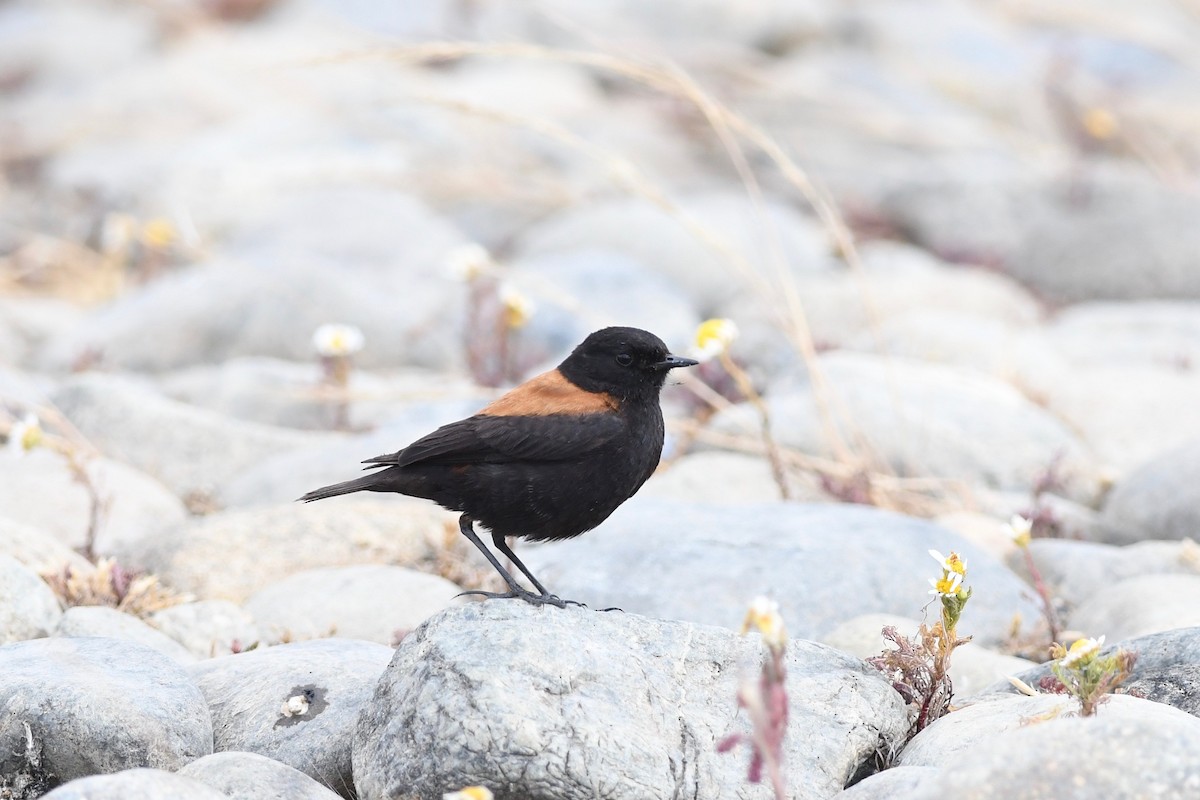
(502, 439)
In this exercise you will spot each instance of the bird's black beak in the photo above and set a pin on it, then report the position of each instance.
(672, 361)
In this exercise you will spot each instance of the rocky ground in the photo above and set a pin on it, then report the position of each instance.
(958, 240)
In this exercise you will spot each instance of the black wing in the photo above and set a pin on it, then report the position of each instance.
(500, 439)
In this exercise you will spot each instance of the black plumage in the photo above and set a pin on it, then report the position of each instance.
(550, 459)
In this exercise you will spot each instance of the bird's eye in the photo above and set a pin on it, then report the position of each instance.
(624, 359)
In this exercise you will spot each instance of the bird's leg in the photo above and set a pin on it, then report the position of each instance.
(503, 547)
(466, 525)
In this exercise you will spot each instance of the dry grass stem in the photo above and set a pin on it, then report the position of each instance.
(111, 585)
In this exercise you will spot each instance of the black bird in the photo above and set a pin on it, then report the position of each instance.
(550, 459)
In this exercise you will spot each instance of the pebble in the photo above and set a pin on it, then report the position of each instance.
(546, 702)
(232, 554)
(653, 556)
(294, 703)
(249, 776)
(78, 707)
(29, 609)
(375, 602)
(109, 623)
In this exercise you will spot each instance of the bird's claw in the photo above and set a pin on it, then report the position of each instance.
(528, 597)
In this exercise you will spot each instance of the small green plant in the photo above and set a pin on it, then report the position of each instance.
(1083, 673)
(765, 700)
(919, 667)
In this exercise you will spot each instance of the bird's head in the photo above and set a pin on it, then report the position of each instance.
(627, 363)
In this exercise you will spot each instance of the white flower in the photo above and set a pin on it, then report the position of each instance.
(1082, 651)
(764, 616)
(953, 563)
(24, 435)
(947, 585)
(332, 340)
(713, 337)
(517, 307)
(468, 262)
(470, 793)
(1020, 530)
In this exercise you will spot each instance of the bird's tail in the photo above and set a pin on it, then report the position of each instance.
(365, 483)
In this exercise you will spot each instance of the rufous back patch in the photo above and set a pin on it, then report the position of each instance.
(550, 393)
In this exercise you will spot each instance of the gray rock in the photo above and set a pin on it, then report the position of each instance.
(33, 320)
(1151, 415)
(29, 609)
(887, 785)
(70, 708)
(721, 477)
(1159, 500)
(272, 302)
(284, 477)
(1014, 352)
(39, 489)
(24, 389)
(136, 784)
(1069, 240)
(1167, 669)
(1138, 606)
(1177, 686)
(980, 727)
(898, 284)
(249, 776)
(233, 554)
(1076, 759)
(703, 563)
(37, 549)
(188, 449)
(972, 669)
(509, 696)
(578, 291)
(375, 602)
(663, 242)
(290, 394)
(112, 624)
(1077, 570)
(208, 628)
(248, 696)
(1164, 333)
(925, 420)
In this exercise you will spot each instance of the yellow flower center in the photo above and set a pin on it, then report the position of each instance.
(715, 335)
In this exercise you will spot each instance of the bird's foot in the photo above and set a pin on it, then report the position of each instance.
(528, 597)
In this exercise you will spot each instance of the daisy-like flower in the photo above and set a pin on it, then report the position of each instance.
(517, 307)
(25, 434)
(764, 617)
(947, 585)
(117, 232)
(713, 337)
(952, 563)
(468, 262)
(470, 793)
(158, 233)
(333, 340)
(1020, 530)
(1082, 651)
